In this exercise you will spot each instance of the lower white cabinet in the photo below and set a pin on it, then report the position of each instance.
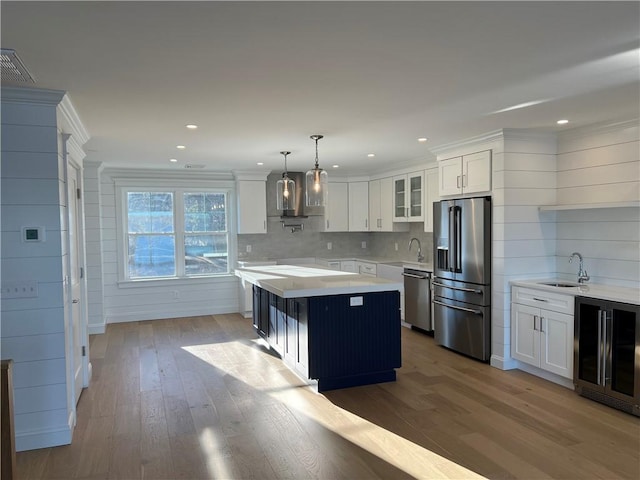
(540, 336)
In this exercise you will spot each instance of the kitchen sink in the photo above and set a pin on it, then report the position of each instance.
(559, 284)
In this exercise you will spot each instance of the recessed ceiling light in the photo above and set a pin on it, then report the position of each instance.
(260, 163)
(335, 166)
(422, 139)
(371, 155)
(562, 122)
(173, 160)
(180, 147)
(191, 126)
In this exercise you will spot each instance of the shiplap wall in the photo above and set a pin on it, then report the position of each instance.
(93, 245)
(524, 177)
(33, 329)
(151, 300)
(600, 165)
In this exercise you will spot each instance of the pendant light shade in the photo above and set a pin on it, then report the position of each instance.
(316, 183)
(285, 189)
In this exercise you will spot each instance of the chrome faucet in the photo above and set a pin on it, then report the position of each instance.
(420, 256)
(583, 276)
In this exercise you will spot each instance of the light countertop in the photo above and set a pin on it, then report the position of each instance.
(591, 290)
(292, 281)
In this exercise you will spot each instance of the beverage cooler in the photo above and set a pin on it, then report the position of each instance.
(607, 353)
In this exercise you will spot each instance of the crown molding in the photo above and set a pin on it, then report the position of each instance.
(257, 175)
(601, 127)
(155, 174)
(72, 121)
(36, 96)
(489, 137)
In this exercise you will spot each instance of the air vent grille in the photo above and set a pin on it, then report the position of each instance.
(191, 165)
(13, 70)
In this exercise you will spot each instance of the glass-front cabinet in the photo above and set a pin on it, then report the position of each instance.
(408, 197)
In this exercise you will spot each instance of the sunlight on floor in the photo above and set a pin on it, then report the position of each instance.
(394, 449)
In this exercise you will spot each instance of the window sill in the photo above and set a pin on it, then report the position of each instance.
(162, 282)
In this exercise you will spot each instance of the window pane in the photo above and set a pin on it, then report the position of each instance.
(152, 256)
(150, 212)
(205, 212)
(206, 254)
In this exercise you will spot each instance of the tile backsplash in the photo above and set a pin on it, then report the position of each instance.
(282, 243)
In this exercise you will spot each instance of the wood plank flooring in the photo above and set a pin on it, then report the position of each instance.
(201, 397)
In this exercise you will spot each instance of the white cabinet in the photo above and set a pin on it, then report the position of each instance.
(466, 174)
(408, 197)
(381, 207)
(348, 266)
(336, 212)
(252, 206)
(430, 195)
(358, 206)
(366, 268)
(542, 330)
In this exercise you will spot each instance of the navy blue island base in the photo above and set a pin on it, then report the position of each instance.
(339, 340)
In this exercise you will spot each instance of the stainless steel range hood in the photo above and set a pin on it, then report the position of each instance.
(298, 211)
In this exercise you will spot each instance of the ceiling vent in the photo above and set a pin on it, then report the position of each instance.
(191, 165)
(13, 70)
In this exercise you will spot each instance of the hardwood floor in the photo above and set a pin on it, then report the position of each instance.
(200, 397)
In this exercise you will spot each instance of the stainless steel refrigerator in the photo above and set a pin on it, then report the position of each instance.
(462, 275)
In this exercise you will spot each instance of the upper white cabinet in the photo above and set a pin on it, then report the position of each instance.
(542, 330)
(466, 174)
(252, 206)
(430, 195)
(408, 197)
(381, 207)
(358, 206)
(336, 212)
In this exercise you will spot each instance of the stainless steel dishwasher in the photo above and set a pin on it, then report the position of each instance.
(417, 299)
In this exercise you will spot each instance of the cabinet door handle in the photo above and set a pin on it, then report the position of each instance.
(541, 323)
(458, 181)
(366, 223)
(264, 224)
(535, 318)
(327, 223)
(463, 182)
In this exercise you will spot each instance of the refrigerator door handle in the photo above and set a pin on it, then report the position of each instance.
(470, 310)
(606, 346)
(462, 289)
(453, 254)
(458, 217)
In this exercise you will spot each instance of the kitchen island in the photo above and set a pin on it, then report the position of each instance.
(335, 329)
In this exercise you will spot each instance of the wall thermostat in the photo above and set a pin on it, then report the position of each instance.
(33, 234)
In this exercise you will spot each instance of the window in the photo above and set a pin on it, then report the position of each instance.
(175, 233)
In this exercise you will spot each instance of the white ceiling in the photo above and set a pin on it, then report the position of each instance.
(261, 77)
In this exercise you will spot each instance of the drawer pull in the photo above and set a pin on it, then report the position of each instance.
(540, 299)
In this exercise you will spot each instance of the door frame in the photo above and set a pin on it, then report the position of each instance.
(72, 158)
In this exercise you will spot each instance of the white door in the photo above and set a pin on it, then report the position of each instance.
(75, 276)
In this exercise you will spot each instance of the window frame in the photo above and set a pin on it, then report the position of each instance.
(178, 188)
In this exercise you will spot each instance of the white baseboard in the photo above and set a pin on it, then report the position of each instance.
(96, 329)
(162, 314)
(502, 363)
(44, 438)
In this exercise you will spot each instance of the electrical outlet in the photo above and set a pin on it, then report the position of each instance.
(364, 244)
(176, 294)
(329, 246)
(396, 246)
(248, 248)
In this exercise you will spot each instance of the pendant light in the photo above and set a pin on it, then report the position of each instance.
(286, 189)
(316, 182)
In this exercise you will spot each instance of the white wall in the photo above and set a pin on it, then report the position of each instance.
(523, 241)
(595, 166)
(33, 329)
(93, 236)
(150, 300)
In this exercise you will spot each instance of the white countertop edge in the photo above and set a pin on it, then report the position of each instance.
(314, 287)
(597, 291)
